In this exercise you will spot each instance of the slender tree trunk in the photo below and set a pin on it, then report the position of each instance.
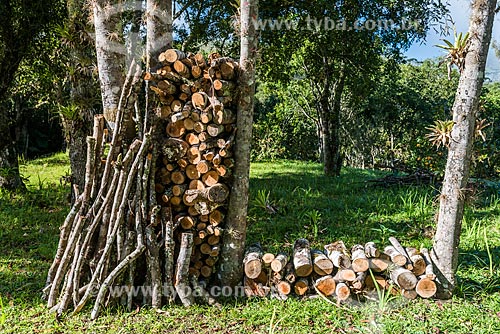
(9, 167)
(82, 90)
(110, 57)
(159, 28)
(330, 124)
(159, 37)
(445, 250)
(236, 220)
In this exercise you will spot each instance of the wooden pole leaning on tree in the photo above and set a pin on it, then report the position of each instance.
(182, 271)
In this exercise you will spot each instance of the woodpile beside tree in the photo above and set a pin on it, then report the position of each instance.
(198, 99)
(340, 272)
(156, 205)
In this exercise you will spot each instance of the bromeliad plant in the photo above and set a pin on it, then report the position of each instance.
(456, 52)
(440, 133)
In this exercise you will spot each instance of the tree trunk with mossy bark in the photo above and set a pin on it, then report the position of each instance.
(83, 89)
(454, 191)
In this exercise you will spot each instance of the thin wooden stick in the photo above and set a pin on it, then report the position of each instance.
(64, 301)
(118, 270)
(90, 232)
(75, 233)
(182, 272)
(153, 258)
(63, 242)
(119, 204)
(168, 234)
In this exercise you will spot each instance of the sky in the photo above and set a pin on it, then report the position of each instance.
(460, 12)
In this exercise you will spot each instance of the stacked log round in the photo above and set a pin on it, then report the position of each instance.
(198, 108)
(339, 272)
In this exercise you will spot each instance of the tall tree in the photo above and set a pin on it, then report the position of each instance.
(110, 55)
(158, 38)
(335, 47)
(159, 29)
(236, 221)
(83, 88)
(23, 24)
(445, 249)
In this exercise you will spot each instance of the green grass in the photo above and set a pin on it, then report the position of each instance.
(307, 204)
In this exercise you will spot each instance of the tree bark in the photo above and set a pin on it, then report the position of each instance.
(445, 249)
(234, 238)
(330, 122)
(9, 167)
(13, 52)
(82, 90)
(110, 60)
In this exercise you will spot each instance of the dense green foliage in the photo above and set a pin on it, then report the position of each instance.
(487, 155)
(29, 91)
(309, 205)
(387, 127)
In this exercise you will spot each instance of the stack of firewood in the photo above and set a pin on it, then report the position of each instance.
(338, 271)
(198, 105)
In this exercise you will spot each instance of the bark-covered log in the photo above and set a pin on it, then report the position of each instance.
(173, 149)
(252, 261)
(397, 246)
(409, 294)
(322, 265)
(345, 275)
(359, 261)
(171, 56)
(253, 289)
(267, 259)
(371, 250)
(378, 264)
(429, 268)
(302, 258)
(417, 261)
(337, 252)
(217, 193)
(342, 291)
(359, 282)
(404, 278)
(283, 288)
(301, 286)
(181, 275)
(396, 257)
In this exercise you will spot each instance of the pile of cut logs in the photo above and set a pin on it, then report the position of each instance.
(336, 271)
(198, 101)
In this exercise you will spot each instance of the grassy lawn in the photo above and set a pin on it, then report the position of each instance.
(308, 205)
